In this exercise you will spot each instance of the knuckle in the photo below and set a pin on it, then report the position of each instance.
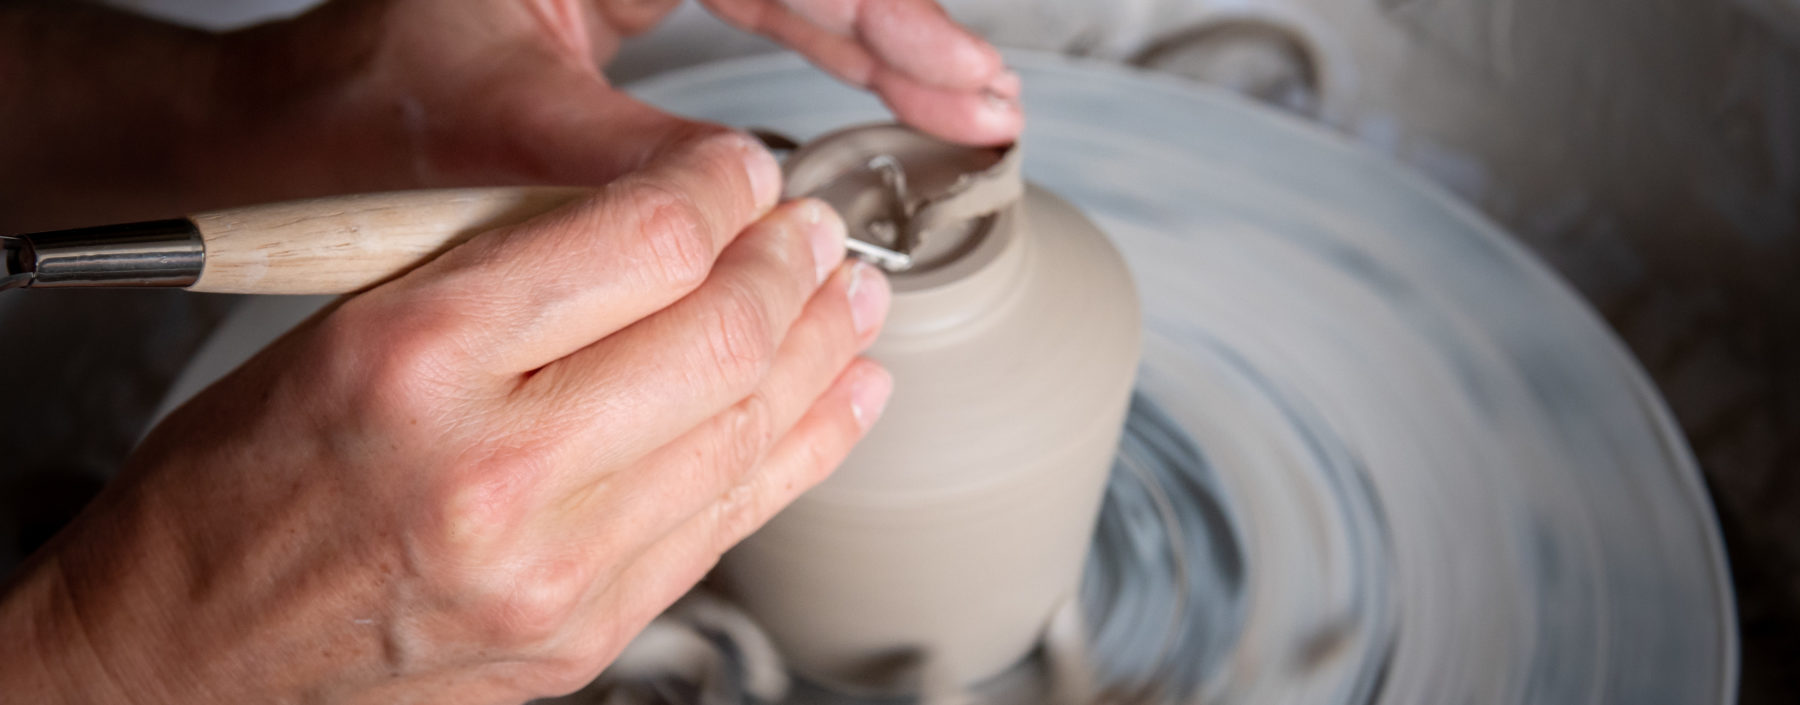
(395, 360)
(817, 461)
(791, 252)
(717, 154)
(565, 674)
(478, 506)
(738, 515)
(514, 594)
(749, 428)
(695, 135)
(414, 369)
(738, 336)
(674, 235)
(528, 609)
(716, 147)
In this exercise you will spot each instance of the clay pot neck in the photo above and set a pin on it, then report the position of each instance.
(934, 201)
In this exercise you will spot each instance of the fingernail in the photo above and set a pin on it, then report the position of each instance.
(997, 106)
(869, 396)
(826, 231)
(765, 173)
(1006, 85)
(869, 296)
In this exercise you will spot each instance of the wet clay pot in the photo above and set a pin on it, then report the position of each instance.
(936, 555)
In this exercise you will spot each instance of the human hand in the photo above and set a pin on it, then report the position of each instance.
(511, 90)
(475, 483)
(931, 72)
(378, 95)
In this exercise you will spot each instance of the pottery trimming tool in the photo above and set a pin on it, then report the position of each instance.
(327, 245)
(332, 245)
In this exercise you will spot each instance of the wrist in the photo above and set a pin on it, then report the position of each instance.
(106, 612)
(53, 662)
(119, 607)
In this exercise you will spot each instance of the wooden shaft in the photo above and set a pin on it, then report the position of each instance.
(345, 244)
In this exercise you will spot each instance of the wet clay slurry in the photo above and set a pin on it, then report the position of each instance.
(960, 524)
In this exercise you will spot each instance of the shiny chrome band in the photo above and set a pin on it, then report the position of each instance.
(154, 253)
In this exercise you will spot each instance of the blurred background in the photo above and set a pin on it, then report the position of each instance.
(1649, 150)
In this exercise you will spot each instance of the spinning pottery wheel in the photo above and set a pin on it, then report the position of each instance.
(1377, 452)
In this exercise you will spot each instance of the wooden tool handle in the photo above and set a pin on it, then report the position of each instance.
(344, 244)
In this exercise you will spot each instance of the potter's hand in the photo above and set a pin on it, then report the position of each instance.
(483, 90)
(477, 482)
(930, 71)
(372, 95)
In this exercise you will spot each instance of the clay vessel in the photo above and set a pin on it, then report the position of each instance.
(936, 555)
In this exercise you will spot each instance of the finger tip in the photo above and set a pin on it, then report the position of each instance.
(826, 233)
(870, 390)
(870, 296)
(763, 171)
(976, 64)
(985, 127)
(1006, 85)
(937, 51)
(972, 119)
(999, 119)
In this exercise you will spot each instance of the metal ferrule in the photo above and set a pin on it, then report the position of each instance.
(154, 253)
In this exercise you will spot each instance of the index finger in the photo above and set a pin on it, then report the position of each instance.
(520, 297)
(935, 75)
(914, 37)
